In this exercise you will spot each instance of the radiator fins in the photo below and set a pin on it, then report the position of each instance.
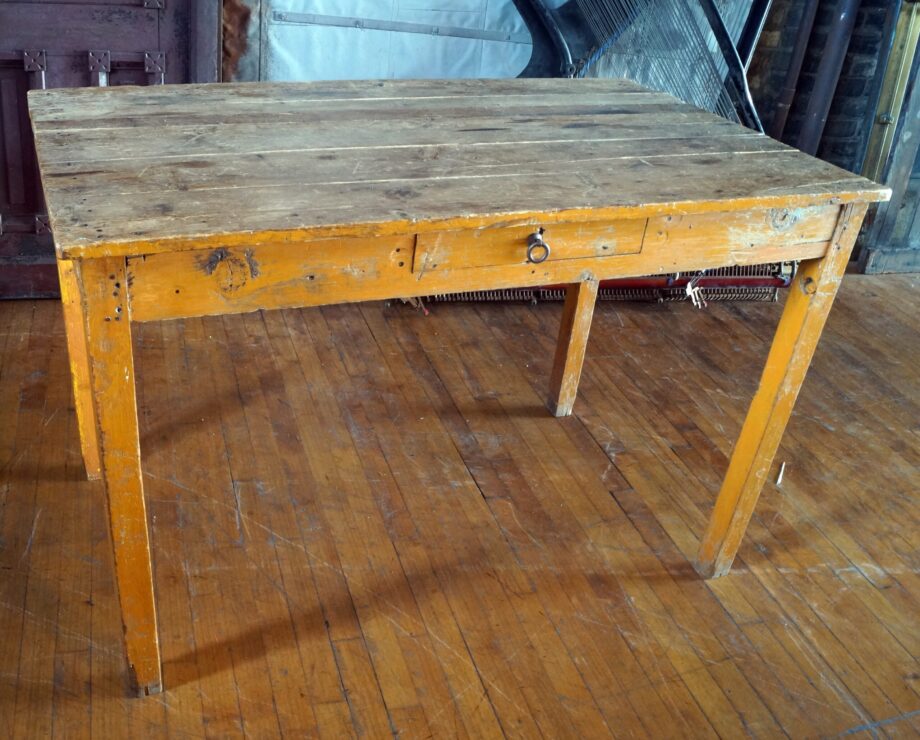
(518, 295)
(775, 275)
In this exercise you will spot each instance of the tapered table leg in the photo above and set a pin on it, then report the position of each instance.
(570, 348)
(807, 306)
(104, 286)
(79, 367)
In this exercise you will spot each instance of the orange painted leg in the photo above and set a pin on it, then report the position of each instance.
(800, 326)
(570, 348)
(79, 368)
(103, 287)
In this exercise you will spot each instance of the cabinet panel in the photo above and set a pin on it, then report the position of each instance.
(47, 43)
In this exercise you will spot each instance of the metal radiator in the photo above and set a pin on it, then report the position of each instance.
(748, 283)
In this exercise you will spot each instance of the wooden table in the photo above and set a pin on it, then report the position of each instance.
(197, 200)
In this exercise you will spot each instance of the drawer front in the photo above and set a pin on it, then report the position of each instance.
(507, 245)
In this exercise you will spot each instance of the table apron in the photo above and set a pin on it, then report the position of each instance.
(238, 279)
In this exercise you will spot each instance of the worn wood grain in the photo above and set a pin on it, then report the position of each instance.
(354, 198)
(103, 286)
(811, 635)
(458, 250)
(72, 304)
(274, 275)
(571, 346)
(396, 158)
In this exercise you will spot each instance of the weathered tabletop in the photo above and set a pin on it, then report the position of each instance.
(193, 200)
(139, 170)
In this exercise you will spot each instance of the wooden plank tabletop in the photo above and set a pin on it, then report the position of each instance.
(132, 170)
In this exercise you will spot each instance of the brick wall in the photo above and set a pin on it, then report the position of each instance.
(772, 57)
(843, 142)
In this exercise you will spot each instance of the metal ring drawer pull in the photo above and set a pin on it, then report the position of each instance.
(537, 249)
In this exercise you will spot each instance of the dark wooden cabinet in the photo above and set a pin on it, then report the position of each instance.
(61, 43)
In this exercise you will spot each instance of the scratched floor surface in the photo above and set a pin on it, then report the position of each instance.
(364, 522)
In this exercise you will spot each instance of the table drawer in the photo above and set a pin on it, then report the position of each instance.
(507, 245)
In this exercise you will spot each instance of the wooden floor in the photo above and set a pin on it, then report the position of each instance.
(364, 522)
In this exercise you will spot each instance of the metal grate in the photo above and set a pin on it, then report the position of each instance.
(654, 295)
(744, 283)
(667, 45)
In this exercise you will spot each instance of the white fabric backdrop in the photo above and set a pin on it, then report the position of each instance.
(294, 51)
